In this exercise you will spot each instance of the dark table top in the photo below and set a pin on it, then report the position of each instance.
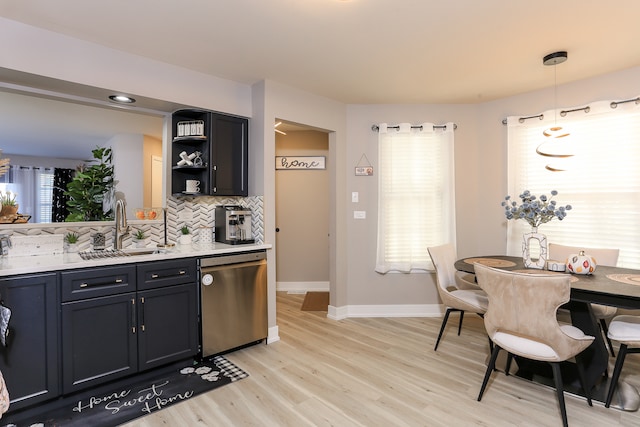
(614, 286)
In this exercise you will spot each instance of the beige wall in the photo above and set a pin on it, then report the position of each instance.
(366, 287)
(151, 147)
(480, 148)
(302, 213)
(481, 178)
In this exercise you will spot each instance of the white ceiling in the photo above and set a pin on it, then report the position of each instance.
(362, 51)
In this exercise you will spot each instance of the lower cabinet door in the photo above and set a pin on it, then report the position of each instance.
(98, 340)
(29, 360)
(168, 325)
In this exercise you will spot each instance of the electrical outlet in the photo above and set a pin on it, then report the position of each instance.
(185, 215)
(354, 197)
(359, 214)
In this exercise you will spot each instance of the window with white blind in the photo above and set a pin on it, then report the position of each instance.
(601, 183)
(33, 187)
(415, 194)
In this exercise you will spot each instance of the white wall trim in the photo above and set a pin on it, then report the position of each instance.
(302, 287)
(273, 335)
(398, 310)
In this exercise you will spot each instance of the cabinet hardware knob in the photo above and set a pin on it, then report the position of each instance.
(154, 276)
(84, 285)
(182, 272)
(119, 280)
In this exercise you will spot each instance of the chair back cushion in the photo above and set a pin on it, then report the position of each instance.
(606, 257)
(444, 258)
(521, 316)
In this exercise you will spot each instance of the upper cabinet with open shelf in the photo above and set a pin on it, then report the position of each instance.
(211, 149)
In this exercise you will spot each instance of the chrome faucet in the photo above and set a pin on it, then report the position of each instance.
(122, 229)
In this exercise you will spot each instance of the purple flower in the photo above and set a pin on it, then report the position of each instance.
(534, 210)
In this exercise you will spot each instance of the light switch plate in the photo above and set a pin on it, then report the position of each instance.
(354, 197)
(359, 214)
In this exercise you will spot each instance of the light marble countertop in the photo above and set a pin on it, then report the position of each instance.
(15, 265)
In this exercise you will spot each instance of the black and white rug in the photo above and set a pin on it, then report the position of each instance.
(125, 403)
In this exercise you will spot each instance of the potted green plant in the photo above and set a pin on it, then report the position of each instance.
(72, 242)
(92, 188)
(139, 238)
(185, 236)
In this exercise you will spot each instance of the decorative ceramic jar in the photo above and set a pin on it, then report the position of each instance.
(539, 240)
(185, 239)
(139, 243)
(581, 263)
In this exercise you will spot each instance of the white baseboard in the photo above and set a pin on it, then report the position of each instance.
(302, 287)
(273, 335)
(399, 310)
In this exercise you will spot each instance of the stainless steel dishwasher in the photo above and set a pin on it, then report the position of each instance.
(233, 299)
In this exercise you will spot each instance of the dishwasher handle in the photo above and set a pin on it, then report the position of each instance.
(231, 259)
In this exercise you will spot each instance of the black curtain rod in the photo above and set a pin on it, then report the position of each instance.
(586, 109)
(376, 128)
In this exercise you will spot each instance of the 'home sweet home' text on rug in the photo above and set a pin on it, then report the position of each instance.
(127, 403)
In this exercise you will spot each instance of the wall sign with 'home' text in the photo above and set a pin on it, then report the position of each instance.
(300, 162)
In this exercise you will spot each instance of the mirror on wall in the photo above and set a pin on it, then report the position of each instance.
(47, 124)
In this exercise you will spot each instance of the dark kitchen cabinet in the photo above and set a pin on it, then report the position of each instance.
(167, 312)
(223, 142)
(29, 361)
(99, 341)
(229, 155)
(168, 325)
(191, 135)
(149, 320)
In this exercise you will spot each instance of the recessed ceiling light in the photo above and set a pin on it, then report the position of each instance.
(122, 99)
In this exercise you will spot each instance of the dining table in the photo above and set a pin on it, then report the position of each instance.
(613, 286)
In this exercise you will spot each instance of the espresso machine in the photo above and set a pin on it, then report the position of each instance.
(233, 225)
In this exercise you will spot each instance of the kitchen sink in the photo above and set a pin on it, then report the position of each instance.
(117, 253)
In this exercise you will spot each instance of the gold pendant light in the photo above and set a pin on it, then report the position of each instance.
(556, 144)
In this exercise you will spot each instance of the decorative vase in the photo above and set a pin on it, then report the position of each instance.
(139, 243)
(72, 248)
(185, 239)
(541, 241)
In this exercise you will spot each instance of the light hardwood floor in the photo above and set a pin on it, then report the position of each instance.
(379, 372)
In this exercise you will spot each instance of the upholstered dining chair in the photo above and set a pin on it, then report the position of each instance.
(521, 319)
(608, 257)
(454, 295)
(626, 330)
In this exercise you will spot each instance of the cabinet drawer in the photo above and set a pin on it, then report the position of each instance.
(166, 273)
(97, 282)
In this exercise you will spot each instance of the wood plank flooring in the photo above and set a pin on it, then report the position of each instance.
(379, 372)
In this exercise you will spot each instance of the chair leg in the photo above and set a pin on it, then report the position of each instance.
(622, 353)
(557, 378)
(444, 323)
(460, 323)
(509, 360)
(605, 332)
(490, 367)
(583, 379)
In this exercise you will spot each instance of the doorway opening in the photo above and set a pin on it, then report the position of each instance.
(302, 211)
